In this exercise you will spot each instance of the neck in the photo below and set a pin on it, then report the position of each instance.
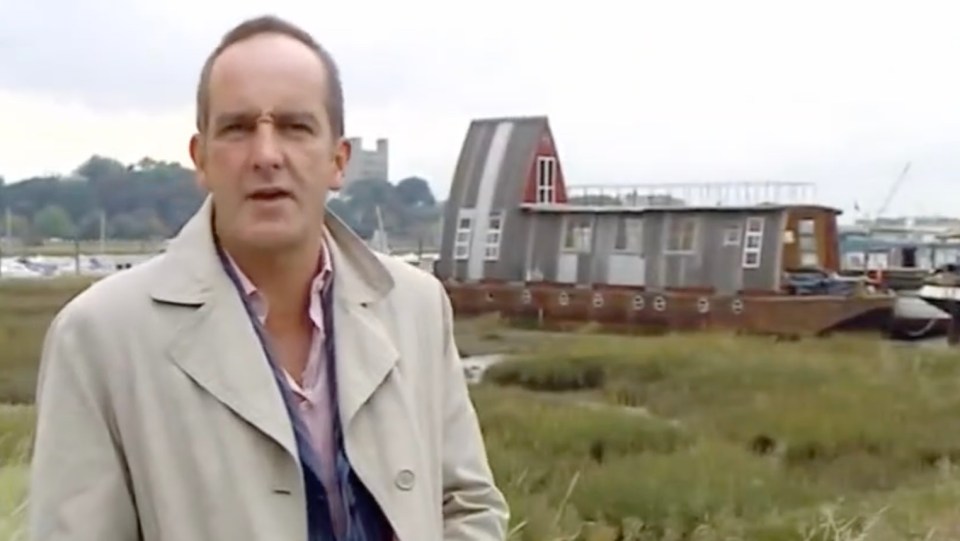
(283, 277)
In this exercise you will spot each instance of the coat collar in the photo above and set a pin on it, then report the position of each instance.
(215, 343)
(193, 272)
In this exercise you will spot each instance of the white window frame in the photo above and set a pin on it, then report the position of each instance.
(682, 221)
(732, 235)
(546, 179)
(491, 250)
(753, 229)
(808, 258)
(578, 233)
(461, 240)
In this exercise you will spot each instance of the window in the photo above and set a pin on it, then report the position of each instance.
(578, 234)
(491, 251)
(731, 235)
(461, 243)
(546, 179)
(682, 235)
(809, 259)
(629, 235)
(809, 255)
(753, 242)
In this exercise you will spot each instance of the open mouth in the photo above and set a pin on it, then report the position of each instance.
(269, 194)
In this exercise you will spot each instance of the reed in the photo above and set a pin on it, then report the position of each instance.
(690, 437)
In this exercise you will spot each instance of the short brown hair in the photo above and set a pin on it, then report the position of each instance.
(270, 24)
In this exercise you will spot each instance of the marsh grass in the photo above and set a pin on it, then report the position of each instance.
(674, 438)
(26, 309)
(843, 438)
(16, 424)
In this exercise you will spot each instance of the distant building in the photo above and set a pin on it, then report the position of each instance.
(923, 242)
(368, 164)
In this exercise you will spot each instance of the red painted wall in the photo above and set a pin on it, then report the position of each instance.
(545, 147)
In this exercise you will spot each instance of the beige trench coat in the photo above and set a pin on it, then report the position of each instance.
(159, 419)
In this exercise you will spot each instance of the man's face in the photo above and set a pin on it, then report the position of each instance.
(268, 155)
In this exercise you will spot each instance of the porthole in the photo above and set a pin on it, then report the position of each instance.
(737, 306)
(489, 296)
(564, 298)
(638, 302)
(597, 300)
(526, 297)
(703, 305)
(659, 304)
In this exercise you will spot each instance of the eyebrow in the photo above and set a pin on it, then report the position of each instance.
(297, 117)
(226, 119)
(283, 117)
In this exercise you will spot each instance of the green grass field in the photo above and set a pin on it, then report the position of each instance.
(694, 437)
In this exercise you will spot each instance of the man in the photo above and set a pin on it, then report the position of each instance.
(268, 377)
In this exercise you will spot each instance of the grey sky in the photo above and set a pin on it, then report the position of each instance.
(841, 93)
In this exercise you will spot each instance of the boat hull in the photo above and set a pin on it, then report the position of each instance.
(638, 311)
(946, 298)
(916, 319)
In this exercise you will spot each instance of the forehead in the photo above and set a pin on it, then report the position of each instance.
(265, 72)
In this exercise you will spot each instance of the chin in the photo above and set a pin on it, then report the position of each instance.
(272, 239)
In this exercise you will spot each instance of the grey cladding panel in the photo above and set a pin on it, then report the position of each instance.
(517, 162)
(466, 178)
(653, 242)
(475, 170)
(545, 244)
(723, 259)
(605, 233)
(508, 196)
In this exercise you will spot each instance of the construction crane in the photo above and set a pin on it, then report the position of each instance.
(873, 223)
(894, 188)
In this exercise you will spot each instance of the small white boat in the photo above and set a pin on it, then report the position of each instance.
(11, 268)
(942, 288)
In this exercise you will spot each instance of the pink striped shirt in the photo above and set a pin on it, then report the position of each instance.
(314, 395)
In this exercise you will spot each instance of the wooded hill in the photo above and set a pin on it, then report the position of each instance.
(152, 199)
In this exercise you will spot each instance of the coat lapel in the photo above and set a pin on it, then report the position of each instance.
(376, 412)
(216, 345)
(365, 353)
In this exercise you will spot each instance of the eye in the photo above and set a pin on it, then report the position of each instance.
(233, 128)
(300, 127)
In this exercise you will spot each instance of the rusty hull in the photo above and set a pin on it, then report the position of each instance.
(635, 310)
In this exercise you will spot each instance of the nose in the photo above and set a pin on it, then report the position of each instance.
(266, 155)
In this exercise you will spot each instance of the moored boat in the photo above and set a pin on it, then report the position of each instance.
(942, 289)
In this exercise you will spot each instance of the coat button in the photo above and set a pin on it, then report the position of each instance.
(405, 480)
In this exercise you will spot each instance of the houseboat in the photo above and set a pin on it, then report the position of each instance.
(520, 242)
(902, 254)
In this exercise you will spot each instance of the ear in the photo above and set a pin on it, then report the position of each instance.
(341, 158)
(196, 155)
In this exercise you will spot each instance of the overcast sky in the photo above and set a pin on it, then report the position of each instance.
(841, 93)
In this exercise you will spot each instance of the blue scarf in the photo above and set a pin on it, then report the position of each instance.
(365, 520)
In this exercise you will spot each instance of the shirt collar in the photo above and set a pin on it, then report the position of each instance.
(320, 281)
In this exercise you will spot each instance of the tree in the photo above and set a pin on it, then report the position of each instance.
(19, 227)
(53, 222)
(415, 192)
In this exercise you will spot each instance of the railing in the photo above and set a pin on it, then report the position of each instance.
(694, 194)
